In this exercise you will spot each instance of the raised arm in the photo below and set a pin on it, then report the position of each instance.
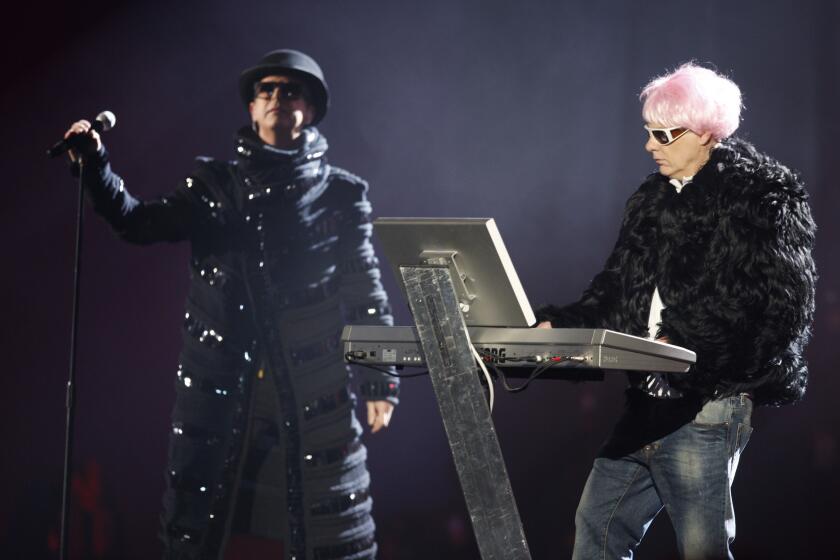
(167, 218)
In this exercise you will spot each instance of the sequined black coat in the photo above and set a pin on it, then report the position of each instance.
(731, 256)
(281, 260)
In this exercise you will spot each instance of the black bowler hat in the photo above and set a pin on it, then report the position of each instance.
(288, 61)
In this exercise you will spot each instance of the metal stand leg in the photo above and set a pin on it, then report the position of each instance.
(70, 399)
(466, 417)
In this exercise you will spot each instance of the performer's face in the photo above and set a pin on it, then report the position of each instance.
(280, 104)
(682, 157)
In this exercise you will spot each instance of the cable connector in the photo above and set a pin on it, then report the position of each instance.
(577, 359)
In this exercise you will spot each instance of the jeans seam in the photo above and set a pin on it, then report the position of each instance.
(727, 496)
(706, 425)
(615, 508)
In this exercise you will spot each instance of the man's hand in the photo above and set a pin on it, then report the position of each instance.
(544, 325)
(663, 339)
(379, 415)
(90, 145)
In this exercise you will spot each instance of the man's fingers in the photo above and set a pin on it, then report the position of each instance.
(90, 140)
(78, 127)
(371, 413)
(384, 410)
(377, 424)
(379, 415)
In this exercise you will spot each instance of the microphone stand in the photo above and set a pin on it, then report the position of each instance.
(71, 388)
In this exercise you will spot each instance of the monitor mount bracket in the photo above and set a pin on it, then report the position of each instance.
(460, 280)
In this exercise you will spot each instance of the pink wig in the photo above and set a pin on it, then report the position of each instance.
(696, 98)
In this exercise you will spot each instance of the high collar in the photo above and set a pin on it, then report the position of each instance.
(309, 146)
(264, 164)
(679, 184)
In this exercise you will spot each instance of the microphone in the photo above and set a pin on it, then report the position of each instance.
(104, 122)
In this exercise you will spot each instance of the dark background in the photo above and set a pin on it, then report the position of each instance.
(523, 111)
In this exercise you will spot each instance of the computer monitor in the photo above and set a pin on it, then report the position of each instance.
(485, 281)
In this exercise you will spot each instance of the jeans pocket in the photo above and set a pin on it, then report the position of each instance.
(717, 413)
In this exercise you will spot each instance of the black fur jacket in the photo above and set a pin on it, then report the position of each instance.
(731, 256)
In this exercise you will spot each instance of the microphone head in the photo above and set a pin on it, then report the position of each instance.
(108, 120)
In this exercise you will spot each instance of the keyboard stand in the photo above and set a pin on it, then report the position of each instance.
(466, 416)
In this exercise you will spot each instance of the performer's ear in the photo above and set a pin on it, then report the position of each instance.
(705, 138)
(254, 124)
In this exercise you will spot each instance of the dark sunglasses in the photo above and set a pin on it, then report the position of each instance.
(288, 90)
(666, 136)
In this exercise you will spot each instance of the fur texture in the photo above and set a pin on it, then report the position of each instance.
(731, 255)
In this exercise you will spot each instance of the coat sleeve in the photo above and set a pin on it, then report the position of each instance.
(364, 301)
(600, 305)
(752, 317)
(167, 218)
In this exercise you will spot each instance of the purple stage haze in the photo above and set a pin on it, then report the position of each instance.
(527, 112)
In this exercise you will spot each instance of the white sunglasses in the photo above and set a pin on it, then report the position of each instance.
(666, 136)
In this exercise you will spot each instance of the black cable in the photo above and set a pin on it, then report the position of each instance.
(538, 370)
(353, 361)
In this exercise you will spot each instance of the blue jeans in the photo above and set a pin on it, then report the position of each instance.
(688, 472)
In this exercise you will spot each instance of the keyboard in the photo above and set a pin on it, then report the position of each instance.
(523, 348)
